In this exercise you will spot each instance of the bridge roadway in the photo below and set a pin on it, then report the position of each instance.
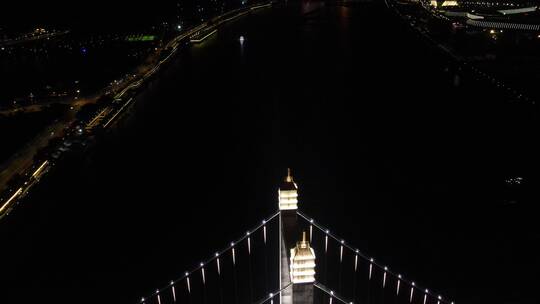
(342, 102)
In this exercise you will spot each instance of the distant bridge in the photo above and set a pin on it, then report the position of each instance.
(268, 265)
(504, 25)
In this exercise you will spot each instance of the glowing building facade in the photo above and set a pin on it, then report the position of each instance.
(288, 194)
(302, 262)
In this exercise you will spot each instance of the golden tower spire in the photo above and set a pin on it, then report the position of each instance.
(289, 176)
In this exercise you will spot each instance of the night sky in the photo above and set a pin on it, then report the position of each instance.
(85, 14)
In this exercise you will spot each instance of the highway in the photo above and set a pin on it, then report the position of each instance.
(6, 43)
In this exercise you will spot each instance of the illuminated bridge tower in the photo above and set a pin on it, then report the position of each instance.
(297, 260)
(234, 274)
(302, 264)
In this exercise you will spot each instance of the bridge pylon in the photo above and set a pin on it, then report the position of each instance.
(297, 259)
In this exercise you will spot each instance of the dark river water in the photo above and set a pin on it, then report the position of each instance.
(386, 150)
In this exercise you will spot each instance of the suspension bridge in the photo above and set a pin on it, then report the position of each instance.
(291, 258)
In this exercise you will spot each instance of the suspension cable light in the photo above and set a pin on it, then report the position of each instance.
(187, 283)
(202, 273)
(158, 297)
(412, 292)
(311, 230)
(425, 296)
(173, 291)
(249, 243)
(249, 267)
(331, 296)
(233, 254)
(370, 268)
(326, 241)
(356, 251)
(218, 264)
(341, 251)
(384, 277)
(271, 298)
(264, 231)
(397, 284)
(356, 260)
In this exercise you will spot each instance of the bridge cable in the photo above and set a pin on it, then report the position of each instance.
(250, 275)
(355, 274)
(220, 283)
(340, 274)
(326, 256)
(203, 267)
(233, 256)
(203, 277)
(265, 258)
(332, 295)
(372, 264)
(272, 295)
